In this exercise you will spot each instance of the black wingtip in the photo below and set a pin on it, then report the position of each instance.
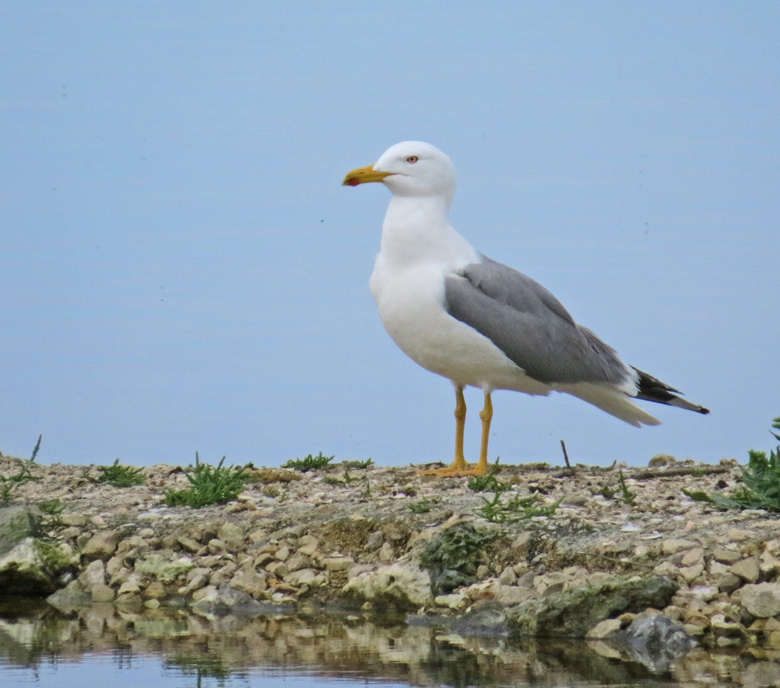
(652, 389)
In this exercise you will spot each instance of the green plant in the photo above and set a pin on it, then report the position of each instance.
(515, 509)
(208, 485)
(489, 482)
(357, 464)
(120, 476)
(424, 505)
(51, 507)
(453, 557)
(345, 479)
(8, 483)
(609, 492)
(628, 496)
(310, 463)
(761, 482)
(606, 491)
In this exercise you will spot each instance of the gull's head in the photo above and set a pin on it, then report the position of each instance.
(411, 168)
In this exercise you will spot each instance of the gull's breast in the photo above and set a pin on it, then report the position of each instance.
(411, 304)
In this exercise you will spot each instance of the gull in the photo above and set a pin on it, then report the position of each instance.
(477, 322)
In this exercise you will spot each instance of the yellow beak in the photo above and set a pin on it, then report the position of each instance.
(363, 175)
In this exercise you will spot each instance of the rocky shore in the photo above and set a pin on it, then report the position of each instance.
(620, 553)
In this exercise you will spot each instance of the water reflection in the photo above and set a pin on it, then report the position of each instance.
(325, 647)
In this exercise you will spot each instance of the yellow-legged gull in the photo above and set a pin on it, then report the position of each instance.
(478, 322)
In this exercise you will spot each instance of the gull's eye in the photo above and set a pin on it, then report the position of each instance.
(412, 159)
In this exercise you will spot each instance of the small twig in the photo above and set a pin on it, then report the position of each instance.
(37, 447)
(565, 454)
(696, 471)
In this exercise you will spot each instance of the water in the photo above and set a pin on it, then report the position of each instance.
(172, 648)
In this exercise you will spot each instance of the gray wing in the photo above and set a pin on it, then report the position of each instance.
(530, 326)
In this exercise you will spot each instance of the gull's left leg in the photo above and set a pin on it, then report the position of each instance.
(486, 414)
(459, 465)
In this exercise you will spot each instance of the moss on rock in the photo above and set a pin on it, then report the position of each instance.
(163, 570)
(572, 613)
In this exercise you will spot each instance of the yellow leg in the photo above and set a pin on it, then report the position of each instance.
(486, 414)
(459, 466)
(460, 429)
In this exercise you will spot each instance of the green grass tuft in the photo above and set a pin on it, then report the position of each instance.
(8, 483)
(357, 464)
(310, 463)
(208, 485)
(51, 507)
(121, 476)
(346, 479)
(488, 482)
(620, 492)
(628, 496)
(453, 557)
(760, 487)
(424, 505)
(515, 509)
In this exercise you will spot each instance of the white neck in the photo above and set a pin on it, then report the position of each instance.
(417, 229)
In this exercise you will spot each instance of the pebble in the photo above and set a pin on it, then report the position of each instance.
(216, 546)
(761, 600)
(188, 544)
(738, 535)
(705, 592)
(521, 545)
(250, 582)
(508, 576)
(717, 558)
(203, 593)
(337, 563)
(278, 568)
(73, 519)
(728, 582)
(232, 536)
(747, 569)
(604, 629)
(674, 545)
(693, 557)
(102, 593)
(94, 574)
(726, 556)
(455, 601)
(691, 573)
(301, 577)
(154, 591)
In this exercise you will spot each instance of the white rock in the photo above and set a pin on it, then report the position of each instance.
(604, 629)
(403, 583)
(747, 569)
(456, 601)
(94, 574)
(705, 592)
(673, 545)
(761, 600)
(301, 577)
(738, 535)
(337, 563)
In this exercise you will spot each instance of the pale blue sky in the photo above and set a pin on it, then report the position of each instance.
(182, 271)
